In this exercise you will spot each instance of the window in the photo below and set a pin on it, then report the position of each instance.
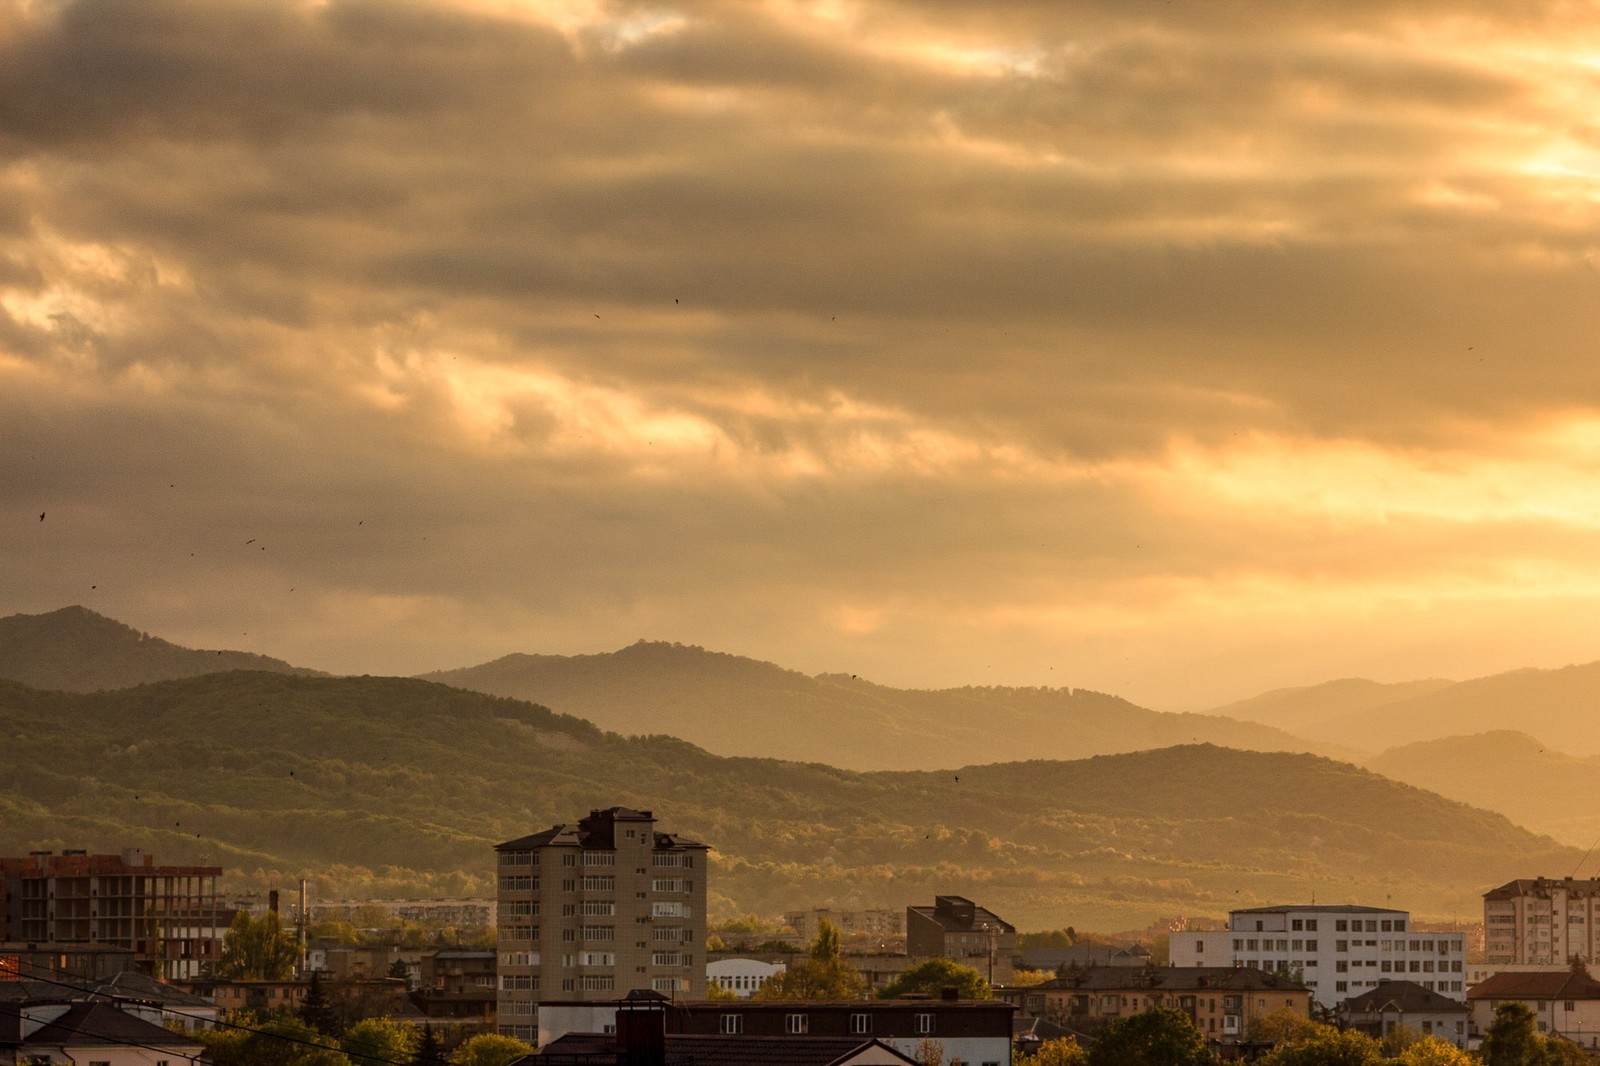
(860, 1024)
(683, 860)
(1297, 925)
(593, 983)
(797, 1024)
(924, 1024)
(599, 883)
(601, 907)
(731, 1024)
(666, 884)
(1341, 926)
(669, 910)
(1311, 945)
(599, 858)
(516, 858)
(596, 958)
(597, 932)
(568, 910)
(516, 883)
(1199, 947)
(569, 859)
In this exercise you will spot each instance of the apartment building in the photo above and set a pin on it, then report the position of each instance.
(1542, 921)
(957, 928)
(170, 917)
(1222, 1001)
(588, 912)
(1338, 951)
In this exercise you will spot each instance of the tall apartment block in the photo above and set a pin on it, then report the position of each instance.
(168, 916)
(1337, 951)
(592, 911)
(1542, 920)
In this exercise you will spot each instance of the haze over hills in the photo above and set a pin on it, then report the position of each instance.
(1510, 772)
(738, 706)
(76, 650)
(1319, 711)
(396, 786)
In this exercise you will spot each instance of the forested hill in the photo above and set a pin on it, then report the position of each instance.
(76, 650)
(737, 706)
(397, 786)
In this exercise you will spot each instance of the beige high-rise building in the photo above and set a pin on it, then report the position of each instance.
(592, 911)
(1542, 920)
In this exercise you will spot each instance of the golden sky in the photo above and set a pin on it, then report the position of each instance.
(1175, 349)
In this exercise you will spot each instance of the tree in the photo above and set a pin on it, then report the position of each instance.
(1399, 1037)
(489, 1049)
(379, 1042)
(823, 974)
(315, 1009)
(935, 975)
(1284, 1026)
(429, 1051)
(1327, 1047)
(928, 1052)
(258, 948)
(1513, 1039)
(1431, 1051)
(1560, 1052)
(1063, 1051)
(1161, 1036)
(283, 1041)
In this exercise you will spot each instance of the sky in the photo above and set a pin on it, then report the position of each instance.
(1180, 350)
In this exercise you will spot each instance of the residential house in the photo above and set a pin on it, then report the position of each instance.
(87, 1034)
(1380, 1010)
(1564, 1004)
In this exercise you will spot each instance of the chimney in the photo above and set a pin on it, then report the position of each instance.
(642, 1029)
(272, 901)
(950, 993)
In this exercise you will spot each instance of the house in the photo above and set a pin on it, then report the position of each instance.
(458, 985)
(590, 911)
(1338, 951)
(1565, 1004)
(87, 1034)
(977, 1032)
(1379, 1010)
(957, 928)
(1222, 1001)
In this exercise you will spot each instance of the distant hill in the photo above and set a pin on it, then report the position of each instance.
(1563, 703)
(1318, 711)
(396, 787)
(1509, 772)
(76, 650)
(738, 706)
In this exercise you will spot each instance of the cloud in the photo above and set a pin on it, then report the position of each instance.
(812, 331)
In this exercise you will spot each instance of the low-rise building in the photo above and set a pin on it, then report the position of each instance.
(71, 1034)
(976, 1032)
(457, 984)
(1222, 1001)
(1338, 951)
(741, 976)
(1565, 1004)
(1380, 1010)
(957, 928)
(879, 922)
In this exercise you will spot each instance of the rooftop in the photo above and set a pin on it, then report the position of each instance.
(1407, 997)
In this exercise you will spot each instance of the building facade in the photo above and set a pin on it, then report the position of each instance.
(1222, 1001)
(1379, 1011)
(1542, 921)
(741, 976)
(957, 928)
(1564, 1004)
(168, 916)
(591, 911)
(1338, 952)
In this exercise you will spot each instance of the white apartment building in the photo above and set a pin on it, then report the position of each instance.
(1338, 952)
(1542, 921)
(592, 911)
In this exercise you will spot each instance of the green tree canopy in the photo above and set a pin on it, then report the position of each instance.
(1513, 1039)
(1284, 1026)
(1327, 1047)
(935, 975)
(822, 974)
(316, 1010)
(281, 1041)
(489, 1049)
(1431, 1051)
(258, 948)
(379, 1042)
(1158, 1037)
(1063, 1051)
